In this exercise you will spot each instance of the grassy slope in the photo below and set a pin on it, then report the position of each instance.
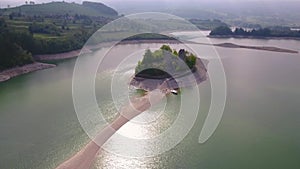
(58, 8)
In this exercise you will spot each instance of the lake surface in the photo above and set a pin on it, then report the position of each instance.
(259, 129)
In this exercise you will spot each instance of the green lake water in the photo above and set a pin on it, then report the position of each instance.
(259, 129)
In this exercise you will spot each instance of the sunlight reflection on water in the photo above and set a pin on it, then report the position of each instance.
(147, 125)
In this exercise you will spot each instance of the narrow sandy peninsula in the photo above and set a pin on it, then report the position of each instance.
(266, 48)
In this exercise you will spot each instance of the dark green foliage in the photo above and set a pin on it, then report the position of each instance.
(166, 48)
(240, 31)
(44, 28)
(207, 24)
(48, 28)
(52, 46)
(175, 52)
(149, 36)
(262, 32)
(155, 64)
(13, 55)
(190, 61)
(17, 47)
(11, 52)
(221, 30)
(189, 58)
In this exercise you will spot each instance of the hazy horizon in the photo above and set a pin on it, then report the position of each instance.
(265, 12)
(115, 3)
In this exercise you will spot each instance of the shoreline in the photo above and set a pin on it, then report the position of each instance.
(17, 71)
(252, 37)
(57, 56)
(10, 73)
(13, 72)
(76, 53)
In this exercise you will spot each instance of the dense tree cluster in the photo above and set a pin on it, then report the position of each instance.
(48, 28)
(157, 63)
(17, 47)
(11, 51)
(58, 45)
(221, 30)
(44, 28)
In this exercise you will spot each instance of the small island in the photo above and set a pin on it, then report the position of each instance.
(177, 68)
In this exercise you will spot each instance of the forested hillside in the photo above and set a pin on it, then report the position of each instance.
(48, 28)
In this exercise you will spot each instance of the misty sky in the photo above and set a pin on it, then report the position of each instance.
(4, 3)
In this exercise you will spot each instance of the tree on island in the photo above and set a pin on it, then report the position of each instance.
(166, 48)
(155, 63)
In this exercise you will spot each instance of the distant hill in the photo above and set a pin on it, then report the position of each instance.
(243, 13)
(63, 8)
(100, 7)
